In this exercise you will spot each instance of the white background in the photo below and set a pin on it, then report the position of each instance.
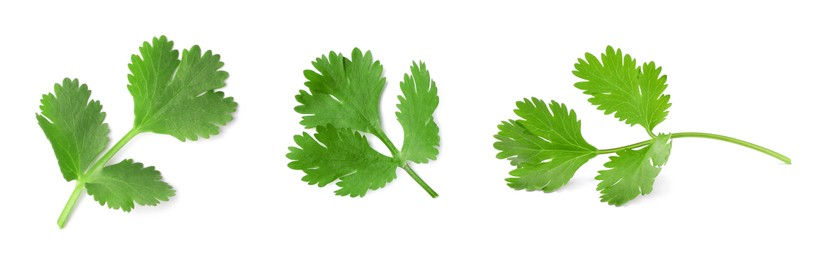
(764, 72)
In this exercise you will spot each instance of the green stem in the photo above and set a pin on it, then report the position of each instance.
(396, 153)
(71, 203)
(97, 167)
(740, 142)
(650, 133)
(391, 147)
(613, 150)
(419, 181)
(99, 164)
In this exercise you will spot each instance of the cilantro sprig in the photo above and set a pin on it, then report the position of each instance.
(546, 145)
(173, 96)
(342, 104)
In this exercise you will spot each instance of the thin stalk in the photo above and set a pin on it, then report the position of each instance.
(71, 203)
(396, 153)
(613, 150)
(97, 166)
(391, 147)
(650, 133)
(419, 181)
(740, 142)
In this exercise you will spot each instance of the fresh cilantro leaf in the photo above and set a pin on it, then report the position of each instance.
(344, 92)
(122, 184)
(617, 85)
(178, 97)
(416, 109)
(632, 172)
(341, 103)
(547, 148)
(546, 145)
(75, 126)
(175, 97)
(341, 153)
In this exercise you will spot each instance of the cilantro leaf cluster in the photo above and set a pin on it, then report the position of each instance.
(174, 94)
(342, 104)
(546, 145)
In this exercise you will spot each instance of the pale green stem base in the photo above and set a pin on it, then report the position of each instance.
(71, 203)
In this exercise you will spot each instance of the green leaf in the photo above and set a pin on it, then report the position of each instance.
(123, 184)
(75, 126)
(344, 155)
(546, 145)
(178, 97)
(633, 172)
(617, 85)
(343, 92)
(416, 109)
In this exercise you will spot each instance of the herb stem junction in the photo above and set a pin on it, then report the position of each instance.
(403, 164)
(95, 169)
